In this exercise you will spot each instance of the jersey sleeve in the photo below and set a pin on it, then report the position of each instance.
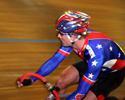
(90, 76)
(51, 64)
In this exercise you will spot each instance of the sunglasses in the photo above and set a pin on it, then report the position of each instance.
(61, 33)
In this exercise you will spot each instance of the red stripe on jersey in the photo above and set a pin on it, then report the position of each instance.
(97, 35)
(88, 80)
(120, 64)
(63, 52)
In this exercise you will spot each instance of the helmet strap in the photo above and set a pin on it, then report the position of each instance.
(84, 33)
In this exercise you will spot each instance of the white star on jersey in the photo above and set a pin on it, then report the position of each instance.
(94, 63)
(103, 69)
(99, 46)
(110, 48)
(119, 55)
(90, 75)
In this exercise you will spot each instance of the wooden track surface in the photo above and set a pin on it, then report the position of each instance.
(28, 38)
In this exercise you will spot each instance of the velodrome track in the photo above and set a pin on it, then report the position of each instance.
(28, 38)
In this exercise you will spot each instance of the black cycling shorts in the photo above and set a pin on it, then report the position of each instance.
(105, 82)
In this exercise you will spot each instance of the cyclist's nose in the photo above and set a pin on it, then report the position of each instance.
(59, 36)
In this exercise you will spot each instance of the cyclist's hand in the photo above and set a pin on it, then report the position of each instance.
(25, 82)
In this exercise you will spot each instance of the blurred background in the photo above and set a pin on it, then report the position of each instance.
(28, 38)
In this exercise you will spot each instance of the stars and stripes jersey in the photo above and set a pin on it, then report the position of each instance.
(101, 54)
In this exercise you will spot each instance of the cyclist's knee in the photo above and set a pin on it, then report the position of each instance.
(61, 84)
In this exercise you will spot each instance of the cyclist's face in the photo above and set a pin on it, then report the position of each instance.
(65, 40)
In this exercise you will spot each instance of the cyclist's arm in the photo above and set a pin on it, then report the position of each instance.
(51, 64)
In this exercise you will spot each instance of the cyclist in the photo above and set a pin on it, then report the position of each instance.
(101, 69)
